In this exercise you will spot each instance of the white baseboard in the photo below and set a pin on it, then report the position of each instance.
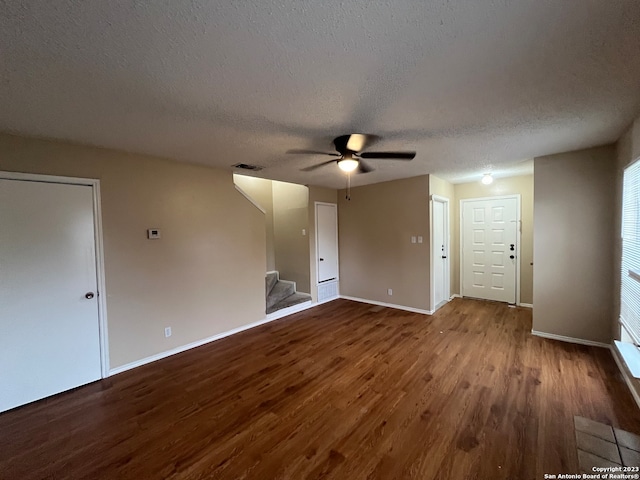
(625, 374)
(289, 310)
(389, 305)
(188, 346)
(158, 356)
(439, 306)
(455, 295)
(562, 338)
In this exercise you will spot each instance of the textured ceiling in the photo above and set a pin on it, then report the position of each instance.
(472, 85)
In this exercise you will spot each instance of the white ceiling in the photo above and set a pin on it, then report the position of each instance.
(472, 86)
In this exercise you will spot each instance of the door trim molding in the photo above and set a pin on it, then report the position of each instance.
(447, 240)
(97, 229)
(515, 196)
(315, 212)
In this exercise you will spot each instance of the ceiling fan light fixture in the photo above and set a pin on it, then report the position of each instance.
(348, 164)
(487, 179)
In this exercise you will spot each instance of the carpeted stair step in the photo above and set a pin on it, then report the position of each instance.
(281, 290)
(269, 281)
(289, 301)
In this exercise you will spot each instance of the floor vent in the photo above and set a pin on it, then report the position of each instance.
(327, 291)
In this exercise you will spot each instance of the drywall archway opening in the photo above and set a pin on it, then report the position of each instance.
(286, 209)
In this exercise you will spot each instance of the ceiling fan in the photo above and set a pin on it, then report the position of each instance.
(350, 153)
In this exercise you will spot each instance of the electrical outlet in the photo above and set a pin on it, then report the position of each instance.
(389, 291)
(304, 232)
(167, 332)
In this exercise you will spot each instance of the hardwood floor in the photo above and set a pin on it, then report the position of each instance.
(340, 391)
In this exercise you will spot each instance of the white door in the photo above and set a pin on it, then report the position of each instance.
(489, 248)
(50, 339)
(327, 241)
(440, 246)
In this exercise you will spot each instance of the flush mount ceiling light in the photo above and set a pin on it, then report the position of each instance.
(348, 163)
(487, 179)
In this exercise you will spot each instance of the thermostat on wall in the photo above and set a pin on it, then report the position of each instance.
(153, 233)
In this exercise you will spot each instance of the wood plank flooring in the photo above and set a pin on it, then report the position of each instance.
(336, 392)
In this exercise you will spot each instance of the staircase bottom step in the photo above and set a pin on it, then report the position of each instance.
(289, 301)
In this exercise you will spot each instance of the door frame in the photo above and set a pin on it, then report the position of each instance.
(97, 232)
(315, 212)
(515, 196)
(447, 242)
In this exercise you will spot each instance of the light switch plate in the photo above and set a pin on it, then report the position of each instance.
(420, 239)
(413, 239)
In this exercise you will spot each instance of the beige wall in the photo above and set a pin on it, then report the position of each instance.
(438, 186)
(203, 277)
(442, 188)
(376, 253)
(316, 194)
(522, 185)
(261, 192)
(573, 245)
(290, 218)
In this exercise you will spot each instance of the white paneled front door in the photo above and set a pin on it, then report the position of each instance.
(50, 340)
(490, 248)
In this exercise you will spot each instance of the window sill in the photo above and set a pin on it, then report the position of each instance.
(631, 356)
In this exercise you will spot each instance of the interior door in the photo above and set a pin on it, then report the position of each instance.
(50, 339)
(489, 249)
(440, 253)
(327, 238)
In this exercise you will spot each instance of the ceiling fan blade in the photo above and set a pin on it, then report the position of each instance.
(296, 151)
(364, 167)
(341, 143)
(389, 155)
(359, 141)
(313, 167)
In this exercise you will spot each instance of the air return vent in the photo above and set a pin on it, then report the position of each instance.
(246, 166)
(327, 291)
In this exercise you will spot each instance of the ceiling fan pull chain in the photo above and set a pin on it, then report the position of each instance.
(348, 196)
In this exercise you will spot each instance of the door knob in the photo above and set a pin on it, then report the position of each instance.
(444, 256)
(512, 257)
(89, 296)
(322, 259)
